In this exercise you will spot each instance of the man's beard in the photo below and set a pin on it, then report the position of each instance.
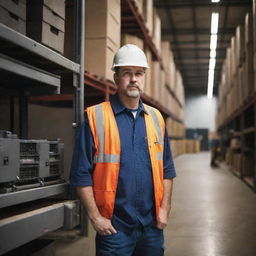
(133, 93)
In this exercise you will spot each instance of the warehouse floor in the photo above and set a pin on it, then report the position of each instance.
(214, 214)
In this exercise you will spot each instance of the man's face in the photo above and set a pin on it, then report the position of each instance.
(130, 81)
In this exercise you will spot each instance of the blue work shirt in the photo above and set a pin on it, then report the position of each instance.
(134, 203)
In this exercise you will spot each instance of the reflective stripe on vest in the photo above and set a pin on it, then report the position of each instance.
(102, 158)
(108, 149)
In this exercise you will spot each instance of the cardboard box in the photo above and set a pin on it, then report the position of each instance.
(156, 30)
(131, 39)
(57, 6)
(233, 64)
(148, 76)
(248, 166)
(249, 70)
(165, 54)
(162, 87)
(155, 78)
(15, 8)
(103, 50)
(46, 34)
(139, 5)
(41, 13)
(240, 45)
(237, 163)
(45, 25)
(172, 72)
(103, 19)
(11, 20)
(248, 28)
(148, 15)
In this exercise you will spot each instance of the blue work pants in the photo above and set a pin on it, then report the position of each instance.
(140, 242)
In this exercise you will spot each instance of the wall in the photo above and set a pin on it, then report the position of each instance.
(200, 112)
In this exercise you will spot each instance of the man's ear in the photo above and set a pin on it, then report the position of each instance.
(116, 78)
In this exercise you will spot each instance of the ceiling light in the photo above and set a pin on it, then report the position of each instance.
(215, 1)
(212, 63)
(210, 83)
(213, 43)
(213, 54)
(214, 23)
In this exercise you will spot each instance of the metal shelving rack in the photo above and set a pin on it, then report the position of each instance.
(96, 88)
(28, 68)
(241, 125)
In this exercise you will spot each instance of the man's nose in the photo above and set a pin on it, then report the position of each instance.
(133, 77)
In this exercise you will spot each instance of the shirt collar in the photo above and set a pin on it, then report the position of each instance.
(118, 107)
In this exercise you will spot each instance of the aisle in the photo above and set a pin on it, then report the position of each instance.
(213, 212)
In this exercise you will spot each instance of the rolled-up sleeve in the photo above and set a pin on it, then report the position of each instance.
(82, 160)
(169, 169)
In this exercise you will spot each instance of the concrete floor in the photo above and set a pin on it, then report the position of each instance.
(213, 214)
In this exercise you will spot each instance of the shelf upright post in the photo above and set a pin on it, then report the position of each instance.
(254, 160)
(78, 79)
(78, 82)
(242, 125)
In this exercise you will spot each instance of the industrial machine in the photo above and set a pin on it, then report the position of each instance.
(28, 162)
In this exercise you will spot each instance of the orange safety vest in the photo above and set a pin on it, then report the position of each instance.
(107, 155)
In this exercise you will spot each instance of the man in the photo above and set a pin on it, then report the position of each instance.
(122, 165)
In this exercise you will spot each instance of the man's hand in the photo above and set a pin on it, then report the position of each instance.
(103, 226)
(162, 218)
(165, 208)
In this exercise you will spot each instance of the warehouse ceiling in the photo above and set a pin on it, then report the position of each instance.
(187, 25)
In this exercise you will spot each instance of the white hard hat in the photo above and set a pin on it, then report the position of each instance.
(130, 55)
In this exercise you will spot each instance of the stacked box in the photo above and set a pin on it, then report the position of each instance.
(156, 37)
(130, 39)
(248, 166)
(237, 162)
(102, 35)
(46, 22)
(162, 88)
(240, 45)
(148, 15)
(165, 54)
(229, 156)
(240, 81)
(155, 79)
(248, 29)
(190, 146)
(148, 81)
(13, 15)
(139, 6)
(172, 72)
(233, 64)
(174, 148)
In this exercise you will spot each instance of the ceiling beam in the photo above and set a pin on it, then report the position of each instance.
(199, 42)
(199, 31)
(200, 49)
(200, 3)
